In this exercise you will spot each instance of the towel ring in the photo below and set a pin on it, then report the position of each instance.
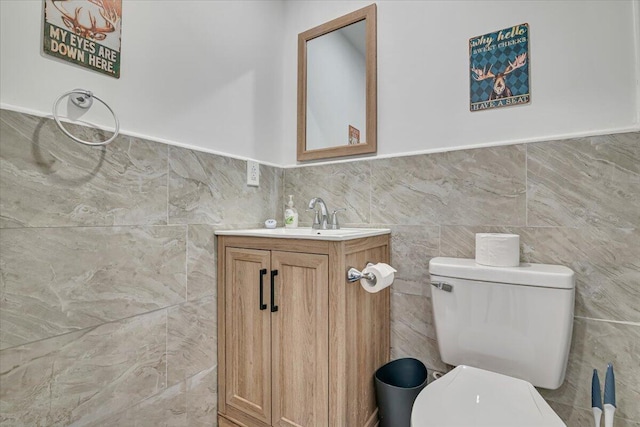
(84, 99)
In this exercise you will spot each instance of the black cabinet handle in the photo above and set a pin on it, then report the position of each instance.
(263, 306)
(274, 307)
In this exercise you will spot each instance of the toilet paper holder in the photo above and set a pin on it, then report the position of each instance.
(353, 275)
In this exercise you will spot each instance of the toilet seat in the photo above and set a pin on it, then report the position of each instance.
(468, 396)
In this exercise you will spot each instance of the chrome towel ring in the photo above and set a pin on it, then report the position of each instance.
(84, 99)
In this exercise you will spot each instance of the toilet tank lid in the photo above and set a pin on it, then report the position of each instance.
(541, 275)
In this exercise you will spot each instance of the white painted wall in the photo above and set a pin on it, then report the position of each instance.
(584, 72)
(205, 74)
(221, 75)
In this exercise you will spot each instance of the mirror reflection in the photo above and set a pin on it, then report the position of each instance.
(336, 88)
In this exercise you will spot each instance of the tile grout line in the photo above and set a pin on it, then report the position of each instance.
(176, 225)
(166, 350)
(618, 322)
(526, 185)
(186, 263)
(370, 192)
(283, 195)
(89, 328)
(45, 227)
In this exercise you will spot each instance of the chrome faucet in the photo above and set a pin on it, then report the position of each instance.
(320, 217)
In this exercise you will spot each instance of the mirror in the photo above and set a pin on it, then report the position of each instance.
(337, 87)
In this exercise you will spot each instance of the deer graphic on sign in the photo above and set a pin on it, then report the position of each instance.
(500, 88)
(108, 11)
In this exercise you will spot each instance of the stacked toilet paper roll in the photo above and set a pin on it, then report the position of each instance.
(383, 273)
(498, 250)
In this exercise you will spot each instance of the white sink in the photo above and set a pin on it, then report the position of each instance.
(307, 233)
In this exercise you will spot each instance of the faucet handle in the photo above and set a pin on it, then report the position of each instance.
(335, 225)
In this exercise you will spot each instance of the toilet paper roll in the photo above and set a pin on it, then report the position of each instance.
(383, 273)
(498, 250)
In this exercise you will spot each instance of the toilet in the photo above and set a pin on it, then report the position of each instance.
(506, 329)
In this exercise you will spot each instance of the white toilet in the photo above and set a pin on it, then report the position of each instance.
(506, 329)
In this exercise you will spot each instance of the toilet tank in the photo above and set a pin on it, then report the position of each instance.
(515, 321)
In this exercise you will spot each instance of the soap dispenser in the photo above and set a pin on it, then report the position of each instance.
(290, 214)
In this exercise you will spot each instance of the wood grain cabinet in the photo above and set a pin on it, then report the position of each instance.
(297, 344)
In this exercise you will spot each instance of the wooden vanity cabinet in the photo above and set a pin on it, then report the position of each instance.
(297, 344)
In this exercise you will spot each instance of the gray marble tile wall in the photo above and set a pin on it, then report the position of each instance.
(108, 276)
(573, 202)
(107, 260)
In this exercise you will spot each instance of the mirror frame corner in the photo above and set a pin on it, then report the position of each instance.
(368, 14)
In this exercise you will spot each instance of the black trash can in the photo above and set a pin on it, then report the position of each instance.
(397, 386)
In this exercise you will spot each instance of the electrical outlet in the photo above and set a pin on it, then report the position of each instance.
(253, 173)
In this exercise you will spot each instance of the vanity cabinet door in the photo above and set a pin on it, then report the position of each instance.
(248, 337)
(303, 355)
(300, 339)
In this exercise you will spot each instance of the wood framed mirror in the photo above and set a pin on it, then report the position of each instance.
(337, 87)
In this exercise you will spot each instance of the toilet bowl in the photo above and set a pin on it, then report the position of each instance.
(472, 397)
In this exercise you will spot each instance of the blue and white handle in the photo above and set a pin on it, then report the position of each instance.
(609, 396)
(596, 398)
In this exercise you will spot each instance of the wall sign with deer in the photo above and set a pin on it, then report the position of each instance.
(499, 68)
(85, 32)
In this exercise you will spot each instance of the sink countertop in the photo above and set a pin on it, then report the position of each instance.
(307, 233)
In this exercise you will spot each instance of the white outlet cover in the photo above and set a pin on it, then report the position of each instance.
(253, 173)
